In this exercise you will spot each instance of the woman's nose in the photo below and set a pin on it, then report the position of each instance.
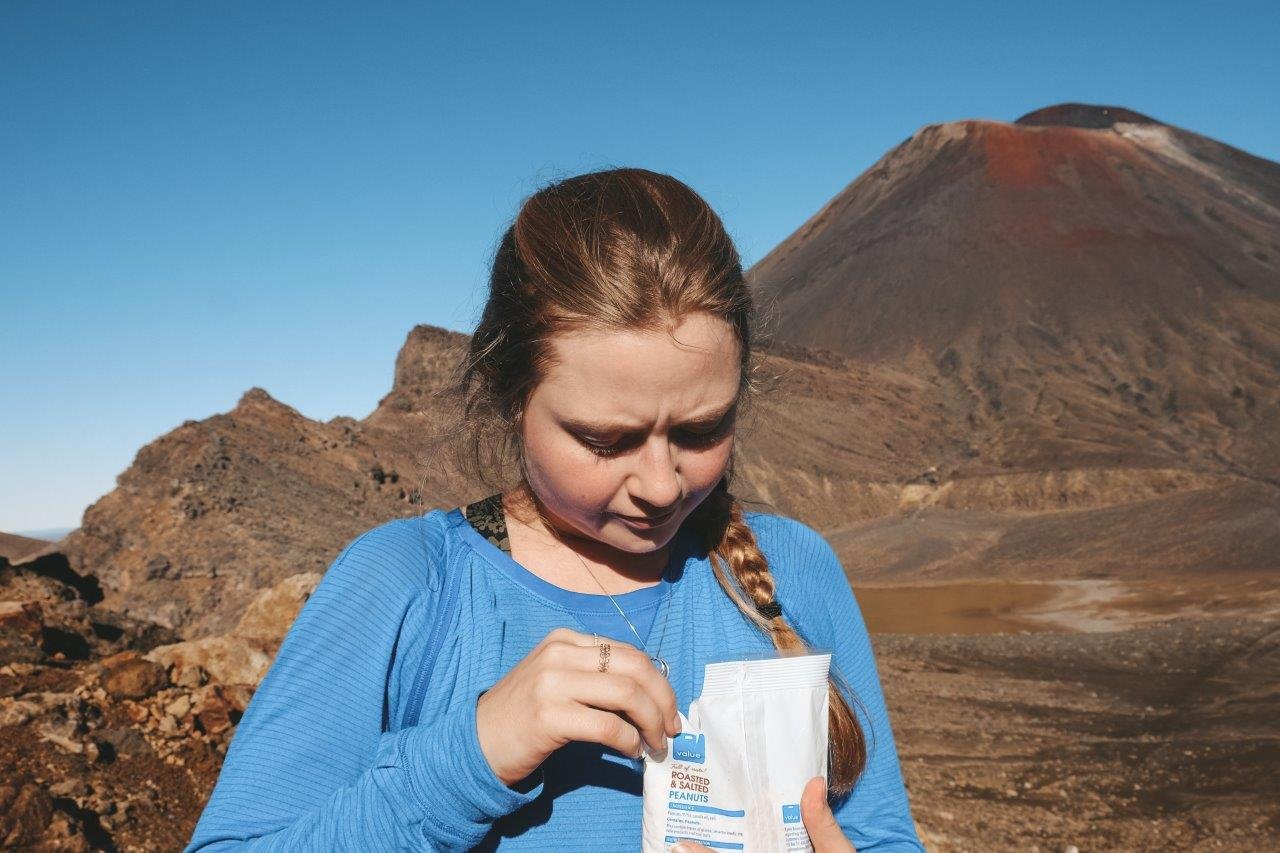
(656, 478)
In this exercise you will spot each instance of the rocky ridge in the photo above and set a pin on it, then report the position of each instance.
(111, 730)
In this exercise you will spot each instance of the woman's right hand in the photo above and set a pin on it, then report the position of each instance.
(557, 694)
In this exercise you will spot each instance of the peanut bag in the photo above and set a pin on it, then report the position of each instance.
(732, 777)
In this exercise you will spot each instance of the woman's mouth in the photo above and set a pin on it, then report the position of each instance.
(643, 523)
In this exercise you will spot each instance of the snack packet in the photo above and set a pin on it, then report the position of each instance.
(732, 778)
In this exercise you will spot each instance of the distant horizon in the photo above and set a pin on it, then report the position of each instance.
(48, 534)
(202, 201)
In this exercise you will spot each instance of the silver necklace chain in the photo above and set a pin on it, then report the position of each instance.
(657, 656)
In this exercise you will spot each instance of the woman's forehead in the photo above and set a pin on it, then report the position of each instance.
(696, 365)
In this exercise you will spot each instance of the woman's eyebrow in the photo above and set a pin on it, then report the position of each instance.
(707, 420)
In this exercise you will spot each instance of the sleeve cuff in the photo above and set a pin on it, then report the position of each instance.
(452, 779)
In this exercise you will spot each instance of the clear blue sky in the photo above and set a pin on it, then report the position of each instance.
(197, 198)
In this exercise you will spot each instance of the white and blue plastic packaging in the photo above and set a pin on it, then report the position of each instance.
(732, 778)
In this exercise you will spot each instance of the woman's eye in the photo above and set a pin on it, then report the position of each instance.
(600, 448)
(699, 438)
(613, 450)
(689, 438)
(708, 436)
(607, 450)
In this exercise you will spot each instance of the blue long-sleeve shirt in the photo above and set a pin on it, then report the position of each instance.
(320, 760)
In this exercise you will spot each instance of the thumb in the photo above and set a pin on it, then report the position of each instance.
(824, 833)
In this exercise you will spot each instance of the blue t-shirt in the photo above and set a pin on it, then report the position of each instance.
(594, 613)
(321, 761)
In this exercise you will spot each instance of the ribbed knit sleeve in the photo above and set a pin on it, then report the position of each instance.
(313, 764)
(816, 599)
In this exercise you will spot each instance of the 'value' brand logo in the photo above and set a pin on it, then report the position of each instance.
(690, 747)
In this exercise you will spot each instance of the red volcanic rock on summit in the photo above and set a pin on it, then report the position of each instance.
(995, 223)
(1084, 115)
(1103, 288)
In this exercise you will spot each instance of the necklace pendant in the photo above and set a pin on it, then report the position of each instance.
(662, 666)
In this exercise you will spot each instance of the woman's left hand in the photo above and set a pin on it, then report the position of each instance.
(824, 833)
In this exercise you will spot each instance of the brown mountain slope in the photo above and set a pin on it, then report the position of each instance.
(1099, 292)
(15, 547)
(217, 510)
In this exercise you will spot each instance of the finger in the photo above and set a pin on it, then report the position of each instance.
(824, 833)
(624, 659)
(639, 666)
(690, 847)
(617, 692)
(570, 636)
(593, 725)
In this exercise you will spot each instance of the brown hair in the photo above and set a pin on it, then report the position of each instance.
(637, 250)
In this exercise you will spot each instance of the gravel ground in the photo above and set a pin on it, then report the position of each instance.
(1155, 738)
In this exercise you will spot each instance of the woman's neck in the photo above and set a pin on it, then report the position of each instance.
(558, 554)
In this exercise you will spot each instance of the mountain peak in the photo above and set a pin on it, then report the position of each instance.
(255, 395)
(1136, 256)
(428, 358)
(257, 401)
(1092, 116)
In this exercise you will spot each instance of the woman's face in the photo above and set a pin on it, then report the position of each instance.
(628, 426)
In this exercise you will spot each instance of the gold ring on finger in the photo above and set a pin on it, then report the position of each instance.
(604, 657)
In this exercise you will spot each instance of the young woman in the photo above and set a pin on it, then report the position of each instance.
(492, 676)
